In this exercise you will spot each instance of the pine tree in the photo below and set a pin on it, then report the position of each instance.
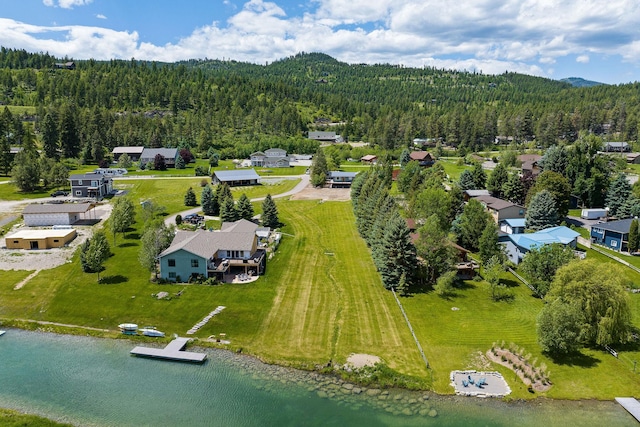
(633, 237)
(618, 192)
(405, 157)
(466, 181)
(403, 287)
(245, 208)
(180, 163)
(399, 253)
(542, 212)
(497, 179)
(69, 135)
(269, 216)
(469, 226)
(223, 192)
(319, 169)
(479, 176)
(555, 159)
(228, 211)
(190, 198)
(513, 189)
(209, 202)
(50, 141)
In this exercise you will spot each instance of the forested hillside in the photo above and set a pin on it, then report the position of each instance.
(236, 108)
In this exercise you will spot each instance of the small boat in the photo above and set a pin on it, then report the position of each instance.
(151, 332)
(128, 328)
(2, 333)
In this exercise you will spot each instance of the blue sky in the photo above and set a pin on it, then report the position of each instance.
(594, 39)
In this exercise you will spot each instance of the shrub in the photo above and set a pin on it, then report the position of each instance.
(178, 219)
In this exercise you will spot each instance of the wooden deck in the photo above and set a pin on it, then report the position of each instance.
(631, 405)
(173, 351)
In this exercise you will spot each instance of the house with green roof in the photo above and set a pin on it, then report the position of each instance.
(222, 254)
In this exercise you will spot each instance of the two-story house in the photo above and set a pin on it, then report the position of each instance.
(271, 158)
(94, 185)
(220, 254)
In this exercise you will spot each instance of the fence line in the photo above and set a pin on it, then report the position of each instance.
(615, 258)
(426, 362)
(535, 291)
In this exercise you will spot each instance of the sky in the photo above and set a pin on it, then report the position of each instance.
(594, 39)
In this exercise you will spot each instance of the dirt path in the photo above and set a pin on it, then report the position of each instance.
(26, 279)
(66, 325)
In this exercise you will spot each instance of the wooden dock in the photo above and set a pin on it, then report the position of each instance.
(173, 351)
(631, 405)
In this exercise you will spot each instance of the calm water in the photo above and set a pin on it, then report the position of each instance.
(95, 382)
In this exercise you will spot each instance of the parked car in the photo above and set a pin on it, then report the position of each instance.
(59, 193)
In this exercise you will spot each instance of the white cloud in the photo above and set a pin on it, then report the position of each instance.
(66, 4)
(489, 35)
(101, 16)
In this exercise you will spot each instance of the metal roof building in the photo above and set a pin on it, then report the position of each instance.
(236, 177)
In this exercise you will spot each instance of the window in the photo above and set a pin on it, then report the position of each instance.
(521, 211)
(16, 241)
(78, 192)
(194, 263)
(56, 241)
(171, 262)
(614, 243)
(172, 275)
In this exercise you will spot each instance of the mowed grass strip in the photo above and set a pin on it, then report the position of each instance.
(330, 301)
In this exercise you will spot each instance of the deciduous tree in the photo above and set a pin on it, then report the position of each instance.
(122, 216)
(541, 263)
(97, 253)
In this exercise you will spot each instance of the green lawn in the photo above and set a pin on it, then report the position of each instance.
(452, 168)
(9, 418)
(453, 339)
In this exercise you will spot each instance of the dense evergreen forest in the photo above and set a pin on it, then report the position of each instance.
(236, 108)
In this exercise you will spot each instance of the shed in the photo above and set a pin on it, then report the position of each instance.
(134, 153)
(235, 178)
(40, 239)
(45, 214)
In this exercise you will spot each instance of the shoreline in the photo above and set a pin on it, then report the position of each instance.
(263, 366)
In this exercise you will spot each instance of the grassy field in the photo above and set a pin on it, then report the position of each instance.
(170, 192)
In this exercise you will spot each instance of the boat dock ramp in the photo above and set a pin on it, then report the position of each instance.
(173, 351)
(631, 405)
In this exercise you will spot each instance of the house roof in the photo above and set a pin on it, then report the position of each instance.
(368, 157)
(495, 203)
(559, 234)
(322, 135)
(616, 144)
(621, 226)
(242, 226)
(529, 158)
(167, 153)
(236, 175)
(83, 176)
(42, 208)
(515, 222)
(476, 193)
(339, 174)
(205, 243)
(42, 234)
(122, 150)
(420, 155)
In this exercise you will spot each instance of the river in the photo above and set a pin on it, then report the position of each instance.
(95, 382)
